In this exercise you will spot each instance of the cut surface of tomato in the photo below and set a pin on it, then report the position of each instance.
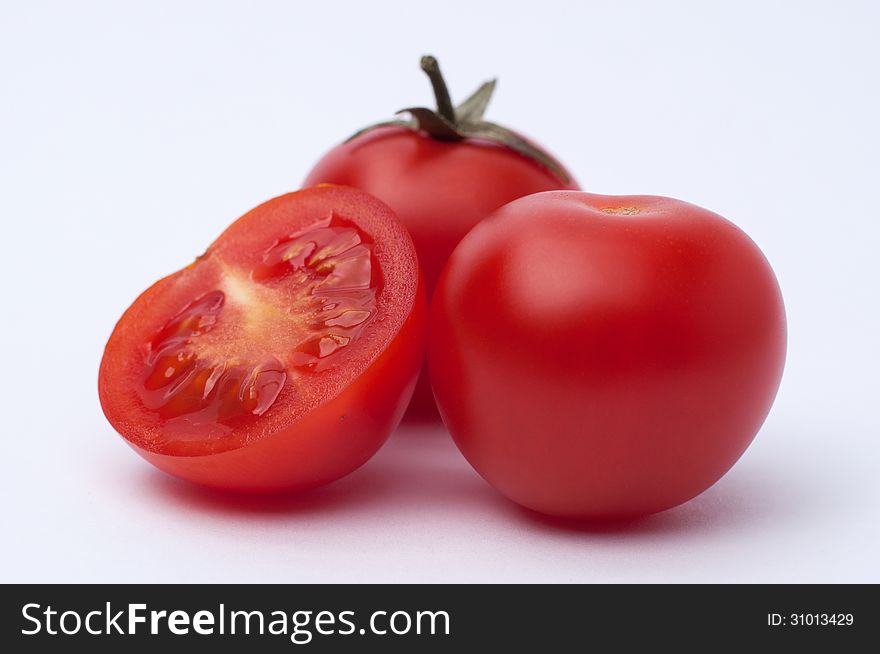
(310, 299)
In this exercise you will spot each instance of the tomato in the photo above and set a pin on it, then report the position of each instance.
(603, 357)
(442, 173)
(283, 357)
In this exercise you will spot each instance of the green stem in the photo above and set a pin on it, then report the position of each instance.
(441, 92)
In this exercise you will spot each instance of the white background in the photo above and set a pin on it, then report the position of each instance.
(132, 135)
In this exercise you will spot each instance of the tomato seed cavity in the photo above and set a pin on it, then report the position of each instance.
(317, 288)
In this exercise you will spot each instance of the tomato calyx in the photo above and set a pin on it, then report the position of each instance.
(465, 121)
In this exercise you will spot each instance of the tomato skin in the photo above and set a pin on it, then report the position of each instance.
(438, 189)
(323, 426)
(603, 357)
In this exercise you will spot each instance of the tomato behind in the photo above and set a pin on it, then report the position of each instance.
(442, 170)
(439, 189)
(283, 357)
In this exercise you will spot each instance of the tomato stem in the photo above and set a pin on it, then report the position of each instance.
(441, 91)
(449, 123)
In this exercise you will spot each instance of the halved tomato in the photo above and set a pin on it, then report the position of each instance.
(283, 357)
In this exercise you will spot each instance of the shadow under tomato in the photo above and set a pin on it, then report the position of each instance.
(417, 474)
(347, 494)
(417, 468)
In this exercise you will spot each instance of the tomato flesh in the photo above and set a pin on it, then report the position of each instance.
(270, 323)
(182, 378)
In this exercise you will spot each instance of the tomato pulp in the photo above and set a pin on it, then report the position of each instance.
(603, 357)
(442, 173)
(280, 359)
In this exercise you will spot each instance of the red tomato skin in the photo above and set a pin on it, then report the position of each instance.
(343, 434)
(593, 364)
(438, 189)
(335, 433)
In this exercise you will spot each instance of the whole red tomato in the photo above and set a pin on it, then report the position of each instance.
(281, 358)
(598, 357)
(442, 172)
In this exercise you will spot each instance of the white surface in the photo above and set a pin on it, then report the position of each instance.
(132, 136)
